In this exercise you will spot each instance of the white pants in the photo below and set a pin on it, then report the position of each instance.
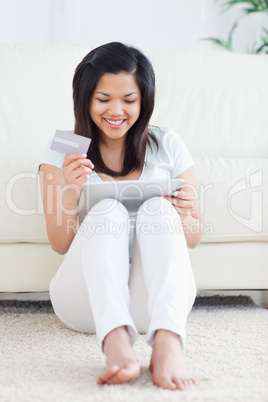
(94, 276)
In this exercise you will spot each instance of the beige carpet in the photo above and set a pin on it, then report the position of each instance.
(41, 360)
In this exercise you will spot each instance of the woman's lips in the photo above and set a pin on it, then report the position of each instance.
(115, 123)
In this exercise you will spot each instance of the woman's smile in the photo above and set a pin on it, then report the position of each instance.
(115, 123)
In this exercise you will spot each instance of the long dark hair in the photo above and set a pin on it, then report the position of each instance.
(113, 58)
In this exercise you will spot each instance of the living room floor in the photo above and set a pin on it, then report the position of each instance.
(44, 360)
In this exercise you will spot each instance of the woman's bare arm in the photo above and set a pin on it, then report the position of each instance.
(60, 190)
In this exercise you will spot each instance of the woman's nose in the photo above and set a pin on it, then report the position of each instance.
(115, 109)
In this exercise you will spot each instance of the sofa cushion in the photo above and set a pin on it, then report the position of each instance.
(21, 218)
(232, 194)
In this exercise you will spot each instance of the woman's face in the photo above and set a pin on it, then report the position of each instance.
(115, 105)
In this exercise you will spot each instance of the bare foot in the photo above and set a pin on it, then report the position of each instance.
(121, 362)
(166, 362)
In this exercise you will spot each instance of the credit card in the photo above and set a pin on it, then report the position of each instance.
(68, 142)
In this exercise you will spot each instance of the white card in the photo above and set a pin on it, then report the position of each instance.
(68, 142)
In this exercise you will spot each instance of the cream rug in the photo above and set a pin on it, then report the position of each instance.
(41, 360)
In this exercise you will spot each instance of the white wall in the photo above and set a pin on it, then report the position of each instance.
(140, 22)
(25, 21)
(143, 23)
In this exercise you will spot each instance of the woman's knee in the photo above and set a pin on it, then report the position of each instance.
(108, 216)
(155, 207)
(109, 206)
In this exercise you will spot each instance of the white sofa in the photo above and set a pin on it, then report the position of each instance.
(217, 101)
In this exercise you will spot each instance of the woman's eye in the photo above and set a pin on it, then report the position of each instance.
(130, 101)
(107, 100)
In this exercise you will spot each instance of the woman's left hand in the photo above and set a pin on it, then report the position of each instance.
(183, 202)
(186, 203)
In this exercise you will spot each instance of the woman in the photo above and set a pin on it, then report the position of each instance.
(113, 92)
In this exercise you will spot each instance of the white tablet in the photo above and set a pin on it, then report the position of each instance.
(131, 193)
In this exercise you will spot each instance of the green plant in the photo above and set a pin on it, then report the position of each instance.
(225, 44)
(251, 6)
(264, 47)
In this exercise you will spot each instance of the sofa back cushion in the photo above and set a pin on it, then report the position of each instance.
(217, 101)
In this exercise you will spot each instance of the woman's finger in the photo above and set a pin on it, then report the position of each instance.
(77, 159)
(76, 169)
(82, 172)
(183, 195)
(72, 157)
(180, 202)
(76, 163)
(183, 205)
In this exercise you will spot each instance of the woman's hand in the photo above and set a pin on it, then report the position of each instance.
(76, 169)
(184, 202)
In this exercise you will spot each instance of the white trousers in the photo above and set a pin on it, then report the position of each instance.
(92, 284)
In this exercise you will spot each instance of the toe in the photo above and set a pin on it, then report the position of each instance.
(164, 382)
(114, 380)
(180, 383)
(183, 383)
(118, 376)
(108, 375)
(193, 382)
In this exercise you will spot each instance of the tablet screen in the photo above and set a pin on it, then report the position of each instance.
(131, 193)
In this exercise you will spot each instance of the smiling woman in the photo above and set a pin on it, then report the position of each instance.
(113, 92)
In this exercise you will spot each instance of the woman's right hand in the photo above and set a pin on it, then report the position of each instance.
(76, 169)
